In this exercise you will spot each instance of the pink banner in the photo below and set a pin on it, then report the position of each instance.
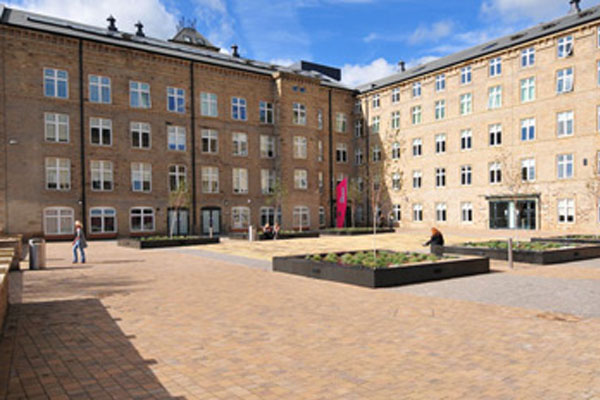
(342, 202)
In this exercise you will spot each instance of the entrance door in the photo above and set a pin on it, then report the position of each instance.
(211, 217)
(178, 222)
(511, 214)
(526, 213)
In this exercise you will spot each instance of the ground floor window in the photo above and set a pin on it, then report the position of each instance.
(59, 221)
(513, 214)
(322, 218)
(178, 221)
(268, 216)
(440, 212)
(141, 219)
(301, 217)
(566, 211)
(240, 217)
(417, 213)
(466, 212)
(103, 220)
(397, 212)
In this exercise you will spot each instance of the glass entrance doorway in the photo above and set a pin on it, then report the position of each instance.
(211, 217)
(178, 222)
(513, 214)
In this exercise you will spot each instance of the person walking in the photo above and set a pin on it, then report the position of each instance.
(436, 241)
(79, 242)
(276, 230)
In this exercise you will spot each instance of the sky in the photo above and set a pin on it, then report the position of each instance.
(365, 38)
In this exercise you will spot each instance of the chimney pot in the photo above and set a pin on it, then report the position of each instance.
(575, 8)
(234, 50)
(111, 23)
(402, 66)
(140, 29)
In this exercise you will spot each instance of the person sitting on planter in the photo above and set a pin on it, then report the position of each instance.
(267, 232)
(276, 230)
(436, 241)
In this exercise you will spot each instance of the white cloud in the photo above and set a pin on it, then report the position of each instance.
(356, 74)
(216, 22)
(157, 20)
(284, 62)
(432, 33)
(515, 10)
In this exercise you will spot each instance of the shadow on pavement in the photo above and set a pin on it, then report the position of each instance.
(72, 349)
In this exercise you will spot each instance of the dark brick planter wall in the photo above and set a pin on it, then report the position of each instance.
(355, 233)
(283, 236)
(153, 244)
(565, 240)
(532, 257)
(381, 277)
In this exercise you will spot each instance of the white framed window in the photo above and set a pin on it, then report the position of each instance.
(440, 83)
(358, 128)
(240, 144)
(322, 217)
(495, 134)
(440, 143)
(101, 131)
(466, 212)
(321, 181)
(417, 147)
(141, 219)
(268, 178)
(566, 211)
(102, 175)
(238, 109)
(440, 109)
(416, 89)
(395, 120)
(208, 105)
(416, 115)
(99, 89)
(376, 153)
(528, 170)
(320, 152)
(58, 174)
(56, 83)
(466, 139)
(240, 217)
(440, 177)
(210, 141)
(495, 97)
(266, 113)
(56, 127)
(527, 129)
(396, 149)
(527, 89)
(340, 122)
(360, 184)
(358, 157)
(466, 104)
(59, 221)
(140, 135)
(141, 177)
(210, 179)
(441, 212)
(376, 101)
(375, 124)
(466, 175)
(177, 177)
(598, 73)
(397, 212)
(396, 181)
(320, 119)
(300, 179)
(564, 80)
(301, 217)
(139, 95)
(267, 216)
(103, 220)
(466, 75)
(299, 114)
(300, 145)
(496, 66)
(267, 146)
(495, 173)
(565, 46)
(175, 100)
(598, 119)
(176, 138)
(240, 180)
(565, 123)
(565, 166)
(417, 179)
(395, 95)
(417, 213)
(527, 57)
(341, 153)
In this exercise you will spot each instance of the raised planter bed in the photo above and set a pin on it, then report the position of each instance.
(150, 243)
(529, 252)
(282, 235)
(321, 266)
(354, 231)
(583, 239)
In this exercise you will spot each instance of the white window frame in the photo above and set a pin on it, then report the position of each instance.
(300, 147)
(527, 89)
(267, 146)
(566, 211)
(565, 124)
(58, 123)
(239, 142)
(58, 174)
(417, 212)
(178, 96)
(528, 128)
(395, 120)
(416, 113)
(101, 124)
(528, 170)
(103, 213)
(56, 78)
(440, 109)
(440, 143)
(240, 180)
(210, 179)
(395, 95)
(139, 130)
(143, 213)
(268, 178)
(495, 67)
(240, 217)
(466, 212)
(417, 147)
(495, 175)
(298, 114)
(376, 101)
(301, 217)
(142, 173)
(341, 153)
(396, 151)
(466, 103)
(65, 220)
(495, 97)
(396, 181)
(565, 79)
(466, 75)
(239, 109)
(466, 139)
(322, 217)
(358, 157)
(440, 177)
(340, 122)
(210, 141)
(139, 95)
(358, 128)
(416, 90)
(375, 125)
(528, 57)
(300, 179)
(495, 135)
(565, 46)
(376, 153)
(441, 212)
(440, 83)
(266, 113)
(565, 166)
(178, 173)
(99, 88)
(102, 171)
(176, 138)
(466, 175)
(417, 177)
(209, 105)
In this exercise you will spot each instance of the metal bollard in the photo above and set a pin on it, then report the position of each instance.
(210, 232)
(250, 233)
(510, 253)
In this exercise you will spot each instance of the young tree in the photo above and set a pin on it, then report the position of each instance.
(277, 196)
(178, 199)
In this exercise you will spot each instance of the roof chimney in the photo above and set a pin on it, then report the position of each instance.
(234, 50)
(575, 6)
(111, 23)
(402, 66)
(140, 29)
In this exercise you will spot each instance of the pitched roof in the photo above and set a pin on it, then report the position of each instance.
(558, 25)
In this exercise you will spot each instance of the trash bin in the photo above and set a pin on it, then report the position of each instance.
(37, 253)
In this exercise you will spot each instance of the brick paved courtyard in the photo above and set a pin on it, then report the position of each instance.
(175, 324)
